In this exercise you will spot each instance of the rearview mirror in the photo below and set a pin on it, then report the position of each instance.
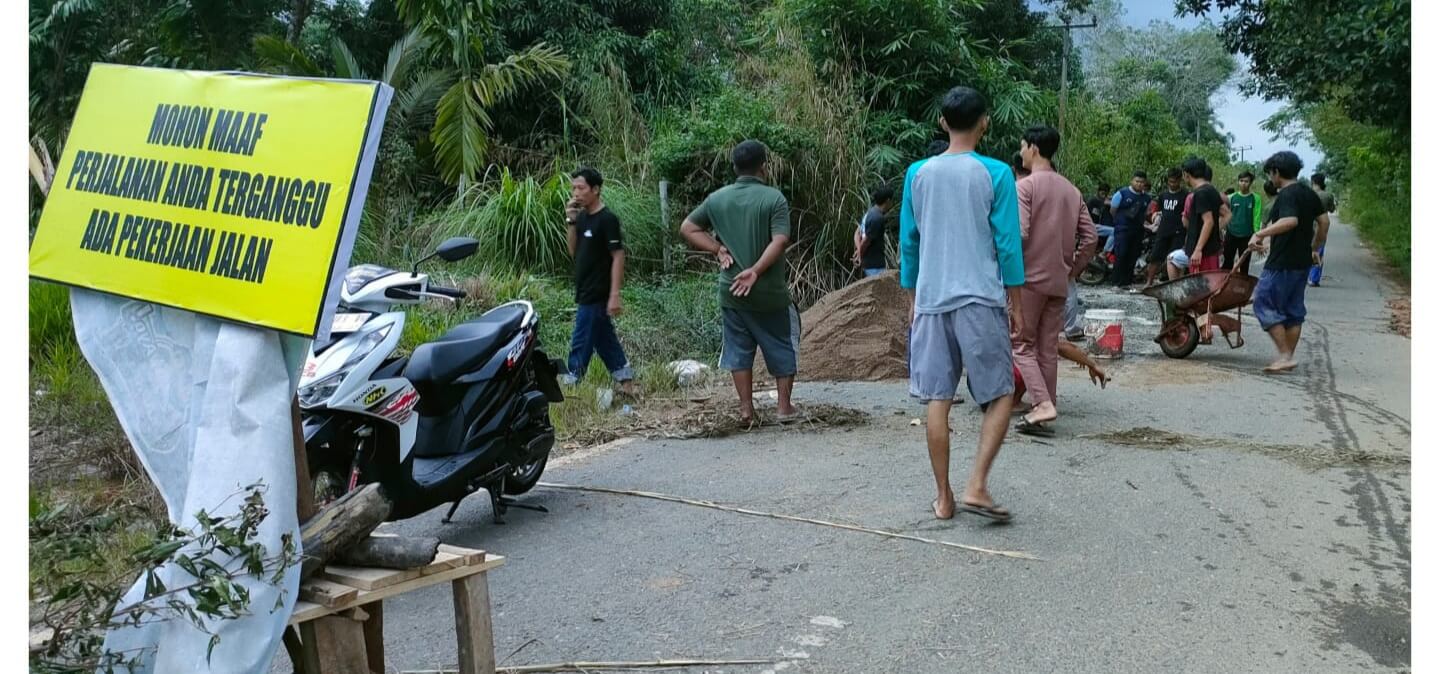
(457, 248)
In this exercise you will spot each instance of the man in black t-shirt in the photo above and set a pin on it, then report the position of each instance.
(1203, 244)
(593, 234)
(870, 251)
(1099, 207)
(1299, 225)
(1170, 234)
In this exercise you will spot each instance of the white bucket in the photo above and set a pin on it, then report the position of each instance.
(1105, 329)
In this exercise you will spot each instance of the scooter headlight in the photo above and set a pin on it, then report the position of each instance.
(363, 349)
(320, 390)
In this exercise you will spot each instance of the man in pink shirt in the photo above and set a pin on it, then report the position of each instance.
(1057, 239)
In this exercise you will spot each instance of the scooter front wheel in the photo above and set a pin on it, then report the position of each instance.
(327, 487)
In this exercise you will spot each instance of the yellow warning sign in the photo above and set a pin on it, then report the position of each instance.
(228, 194)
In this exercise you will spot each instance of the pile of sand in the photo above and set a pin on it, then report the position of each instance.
(856, 333)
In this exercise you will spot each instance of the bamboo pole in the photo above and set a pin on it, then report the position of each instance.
(792, 518)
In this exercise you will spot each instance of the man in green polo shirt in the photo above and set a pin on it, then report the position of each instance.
(1246, 210)
(746, 226)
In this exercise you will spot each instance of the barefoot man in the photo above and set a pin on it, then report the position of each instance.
(1298, 225)
(1057, 238)
(960, 254)
(750, 222)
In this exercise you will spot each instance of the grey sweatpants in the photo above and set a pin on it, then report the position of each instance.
(1074, 312)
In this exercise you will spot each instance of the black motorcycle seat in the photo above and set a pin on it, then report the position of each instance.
(464, 347)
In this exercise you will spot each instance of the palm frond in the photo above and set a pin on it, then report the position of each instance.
(278, 56)
(540, 61)
(459, 134)
(346, 67)
(402, 56)
(414, 105)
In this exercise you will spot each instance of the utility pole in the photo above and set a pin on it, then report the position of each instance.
(1242, 150)
(1065, 63)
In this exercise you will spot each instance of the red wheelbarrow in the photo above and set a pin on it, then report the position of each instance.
(1190, 308)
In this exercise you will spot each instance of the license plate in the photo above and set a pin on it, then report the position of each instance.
(348, 322)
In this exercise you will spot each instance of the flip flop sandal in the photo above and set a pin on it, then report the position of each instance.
(990, 512)
(1028, 427)
(799, 415)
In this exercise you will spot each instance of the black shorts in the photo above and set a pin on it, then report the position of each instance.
(1165, 242)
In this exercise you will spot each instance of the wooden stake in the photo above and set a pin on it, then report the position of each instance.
(473, 630)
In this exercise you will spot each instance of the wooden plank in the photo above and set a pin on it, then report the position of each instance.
(470, 555)
(473, 631)
(327, 593)
(340, 645)
(368, 578)
(306, 611)
(375, 637)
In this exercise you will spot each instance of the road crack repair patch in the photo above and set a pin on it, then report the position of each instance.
(1146, 437)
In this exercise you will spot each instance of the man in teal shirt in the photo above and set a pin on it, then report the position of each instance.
(746, 225)
(960, 254)
(1245, 219)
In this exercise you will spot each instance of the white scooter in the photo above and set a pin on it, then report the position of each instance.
(465, 412)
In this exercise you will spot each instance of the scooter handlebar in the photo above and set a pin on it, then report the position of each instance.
(452, 293)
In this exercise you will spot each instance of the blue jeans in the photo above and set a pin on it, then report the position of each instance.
(874, 272)
(595, 334)
(1109, 233)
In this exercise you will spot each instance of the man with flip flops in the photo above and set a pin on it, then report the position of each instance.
(960, 254)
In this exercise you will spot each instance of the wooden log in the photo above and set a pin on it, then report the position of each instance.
(340, 525)
(390, 552)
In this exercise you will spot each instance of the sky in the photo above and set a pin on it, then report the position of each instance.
(1240, 115)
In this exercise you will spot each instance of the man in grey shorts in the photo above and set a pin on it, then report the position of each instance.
(960, 254)
(746, 225)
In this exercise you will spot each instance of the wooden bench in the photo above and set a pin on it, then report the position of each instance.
(343, 607)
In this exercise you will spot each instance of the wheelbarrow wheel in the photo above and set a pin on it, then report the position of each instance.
(1181, 340)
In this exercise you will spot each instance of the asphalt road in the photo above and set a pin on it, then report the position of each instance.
(1248, 541)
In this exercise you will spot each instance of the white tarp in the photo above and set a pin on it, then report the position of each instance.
(206, 404)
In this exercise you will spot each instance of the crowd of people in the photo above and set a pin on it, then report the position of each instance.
(989, 252)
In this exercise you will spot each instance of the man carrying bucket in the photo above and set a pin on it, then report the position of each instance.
(1057, 239)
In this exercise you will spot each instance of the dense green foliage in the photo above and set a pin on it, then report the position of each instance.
(1353, 52)
(1185, 66)
(496, 102)
(1345, 68)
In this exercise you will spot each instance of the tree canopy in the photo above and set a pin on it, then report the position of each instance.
(1353, 52)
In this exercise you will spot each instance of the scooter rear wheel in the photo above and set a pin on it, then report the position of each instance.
(525, 477)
